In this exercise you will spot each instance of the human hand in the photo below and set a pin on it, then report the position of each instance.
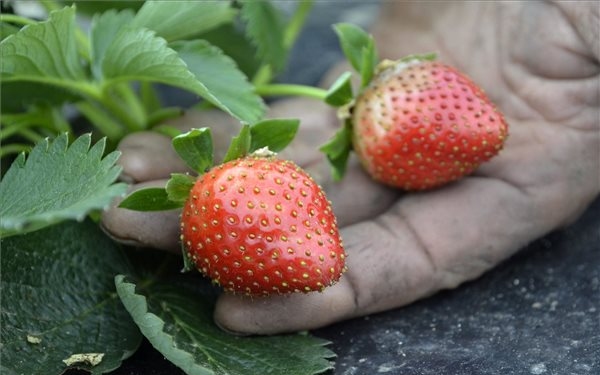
(539, 63)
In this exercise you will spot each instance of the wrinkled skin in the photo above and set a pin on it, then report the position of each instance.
(539, 62)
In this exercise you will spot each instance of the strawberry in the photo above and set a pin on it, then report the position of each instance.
(421, 124)
(260, 225)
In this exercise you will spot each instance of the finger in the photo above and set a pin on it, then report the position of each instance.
(416, 248)
(437, 240)
(158, 230)
(357, 197)
(147, 156)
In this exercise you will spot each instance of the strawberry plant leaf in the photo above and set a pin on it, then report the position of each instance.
(57, 182)
(338, 149)
(175, 20)
(59, 301)
(431, 56)
(195, 148)
(369, 61)
(340, 92)
(358, 47)
(234, 43)
(275, 134)
(45, 53)
(179, 186)
(188, 262)
(103, 31)
(167, 130)
(240, 145)
(24, 94)
(266, 28)
(150, 199)
(140, 55)
(178, 322)
(220, 75)
(7, 29)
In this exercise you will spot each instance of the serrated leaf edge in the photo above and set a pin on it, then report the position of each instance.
(60, 145)
(151, 327)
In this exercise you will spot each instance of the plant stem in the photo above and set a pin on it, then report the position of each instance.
(12, 18)
(30, 135)
(13, 148)
(111, 103)
(58, 121)
(159, 116)
(149, 97)
(296, 23)
(291, 90)
(133, 103)
(83, 44)
(23, 131)
(50, 5)
(264, 74)
(101, 120)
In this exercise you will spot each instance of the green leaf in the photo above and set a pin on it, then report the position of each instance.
(430, 56)
(103, 31)
(358, 47)
(195, 148)
(369, 62)
(57, 182)
(139, 55)
(228, 86)
(150, 199)
(167, 130)
(275, 134)
(178, 322)
(175, 20)
(340, 92)
(58, 299)
(149, 97)
(7, 29)
(24, 94)
(93, 7)
(240, 145)
(46, 53)
(234, 44)
(337, 150)
(188, 263)
(265, 27)
(179, 186)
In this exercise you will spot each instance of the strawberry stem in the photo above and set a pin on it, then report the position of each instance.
(291, 90)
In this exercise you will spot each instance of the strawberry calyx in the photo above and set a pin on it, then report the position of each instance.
(195, 148)
(263, 152)
(388, 67)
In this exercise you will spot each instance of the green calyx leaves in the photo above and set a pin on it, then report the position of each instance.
(337, 150)
(340, 92)
(196, 148)
(360, 51)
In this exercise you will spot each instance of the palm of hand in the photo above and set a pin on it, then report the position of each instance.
(402, 248)
(543, 179)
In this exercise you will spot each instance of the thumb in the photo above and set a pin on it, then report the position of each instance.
(378, 271)
(422, 244)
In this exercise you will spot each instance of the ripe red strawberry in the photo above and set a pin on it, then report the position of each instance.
(260, 225)
(421, 124)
